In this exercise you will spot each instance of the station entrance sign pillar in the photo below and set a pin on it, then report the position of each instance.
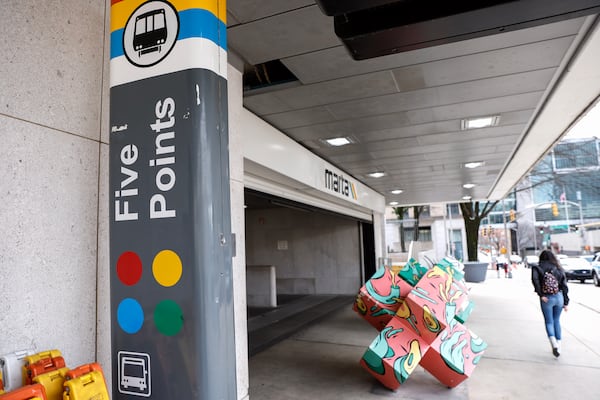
(170, 224)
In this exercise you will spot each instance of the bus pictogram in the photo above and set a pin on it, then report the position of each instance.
(134, 373)
(150, 32)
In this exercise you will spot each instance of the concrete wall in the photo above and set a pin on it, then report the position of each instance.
(439, 235)
(570, 243)
(313, 253)
(593, 240)
(261, 286)
(53, 109)
(236, 172)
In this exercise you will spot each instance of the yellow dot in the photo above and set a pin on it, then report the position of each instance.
(167, 268)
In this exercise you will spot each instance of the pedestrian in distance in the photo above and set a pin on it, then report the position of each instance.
(550, 284)
(502, 263)
(495, 265)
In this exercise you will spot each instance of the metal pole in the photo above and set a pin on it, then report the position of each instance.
(446, 231)
(506, 241)
(450, 229)
(534, 229)
(564, 200)
(580, 213)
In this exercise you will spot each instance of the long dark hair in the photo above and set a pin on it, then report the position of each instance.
(548, 256)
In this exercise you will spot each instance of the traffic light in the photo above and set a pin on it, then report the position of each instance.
(484, 232)
(512, 215)
(554, 209)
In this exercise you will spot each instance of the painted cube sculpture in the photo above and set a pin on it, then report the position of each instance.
(412, 271)
(378, 299)
(465, 307)
(426, 328)
(464, 312)
(432, 303)
(454, 354)
(394, 354)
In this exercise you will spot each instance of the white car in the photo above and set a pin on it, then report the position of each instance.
(596, 269)
(576, 268)
(515, 259)
(531, 261)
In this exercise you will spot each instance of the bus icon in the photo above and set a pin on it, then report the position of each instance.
(150, 33)
(134, 373)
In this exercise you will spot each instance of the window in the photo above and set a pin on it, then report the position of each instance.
(570, 155)
(452, 210)
(456, 245)
(424, 234)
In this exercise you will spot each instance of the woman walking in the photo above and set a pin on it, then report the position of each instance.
(550, 284)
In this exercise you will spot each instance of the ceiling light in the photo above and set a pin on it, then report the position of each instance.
(467, 198)
(396, 191)
(469, 185)
(479, 122)
(394, 203)
(474, 164)
(338, 141)
(376, 174)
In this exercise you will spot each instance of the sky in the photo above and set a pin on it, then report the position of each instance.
(588, 126)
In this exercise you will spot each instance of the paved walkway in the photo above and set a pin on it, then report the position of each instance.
(321, 361)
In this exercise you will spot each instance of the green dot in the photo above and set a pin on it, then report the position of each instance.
(168, 317)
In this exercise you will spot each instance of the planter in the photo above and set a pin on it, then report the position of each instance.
(475, 271)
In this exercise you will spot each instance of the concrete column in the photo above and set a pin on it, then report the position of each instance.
(171, 243)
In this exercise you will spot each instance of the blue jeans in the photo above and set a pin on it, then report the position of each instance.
(552, 310)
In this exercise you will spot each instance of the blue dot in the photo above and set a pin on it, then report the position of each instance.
(130, 315)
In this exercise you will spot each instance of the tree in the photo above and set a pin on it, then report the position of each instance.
(400, 212)
(417, 210)
(472, 215)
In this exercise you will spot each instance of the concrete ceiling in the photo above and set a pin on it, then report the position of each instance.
(403, 111)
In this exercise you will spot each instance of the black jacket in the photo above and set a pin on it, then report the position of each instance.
(537, 276)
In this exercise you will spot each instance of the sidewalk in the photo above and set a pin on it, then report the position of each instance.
(321, 361)
(518, 363)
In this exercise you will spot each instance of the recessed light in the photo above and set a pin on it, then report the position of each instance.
(474, 164)
(466, 197)
(338, 141)
(479, 122)
(396, 191)
(378, 174)
(469, 185)
(394, 203)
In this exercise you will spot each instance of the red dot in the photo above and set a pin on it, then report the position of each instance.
(129, 268)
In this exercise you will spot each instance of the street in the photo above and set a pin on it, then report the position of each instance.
(586, 294)
(583, 316)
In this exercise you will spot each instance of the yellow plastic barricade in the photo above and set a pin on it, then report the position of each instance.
(53, 383)
(32, 359)
(85, 387)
